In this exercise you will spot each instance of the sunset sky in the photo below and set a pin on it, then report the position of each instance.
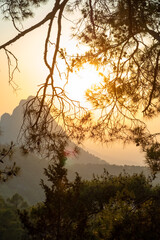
(29, 52)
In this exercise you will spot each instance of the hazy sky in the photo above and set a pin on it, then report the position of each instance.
(29, 52)
(27, 78)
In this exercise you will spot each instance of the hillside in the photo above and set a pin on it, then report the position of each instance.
(10, 126)
(27, 183)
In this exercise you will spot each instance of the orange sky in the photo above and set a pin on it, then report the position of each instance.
(29, 52)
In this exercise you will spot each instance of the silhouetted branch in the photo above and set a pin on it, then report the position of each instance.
(7, 169)
(156, 68)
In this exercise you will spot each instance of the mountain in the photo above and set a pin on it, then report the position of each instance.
(10, 126)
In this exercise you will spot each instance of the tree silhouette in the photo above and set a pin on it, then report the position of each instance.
(8, 169)
(63, 214)
(11, 226)
(124, 45)
(106, 207)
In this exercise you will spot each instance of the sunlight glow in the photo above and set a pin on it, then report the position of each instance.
(78, 83)
(81, 81)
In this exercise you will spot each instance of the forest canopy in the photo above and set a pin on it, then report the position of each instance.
(106, 207)
(123, 43)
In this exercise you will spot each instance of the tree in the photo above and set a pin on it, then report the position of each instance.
(124, 45)
(63, 214)
(126, 218)
(10, 225)
(8, 168)
(107, 207)
(124, 42)
(17, 202)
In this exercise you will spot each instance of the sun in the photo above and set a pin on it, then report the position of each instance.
(80, 81)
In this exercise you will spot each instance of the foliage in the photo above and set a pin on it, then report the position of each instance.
(124, 45)
(17, 202)
(121, 222)
(62, 215)
(130, 213)
(10, 225)
(19, 10)
(8, 168)
(124, 42)
(107, 207)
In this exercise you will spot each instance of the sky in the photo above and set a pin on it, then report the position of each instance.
(32, 72)
(29, 52)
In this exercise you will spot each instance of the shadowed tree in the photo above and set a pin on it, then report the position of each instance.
(124, 45)
(63, 215)
(8, 168)
(10, 225)
(107, 207)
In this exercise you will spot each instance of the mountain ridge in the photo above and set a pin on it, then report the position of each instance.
(10, 125)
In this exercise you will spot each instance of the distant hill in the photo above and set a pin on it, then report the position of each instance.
(27, 183)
